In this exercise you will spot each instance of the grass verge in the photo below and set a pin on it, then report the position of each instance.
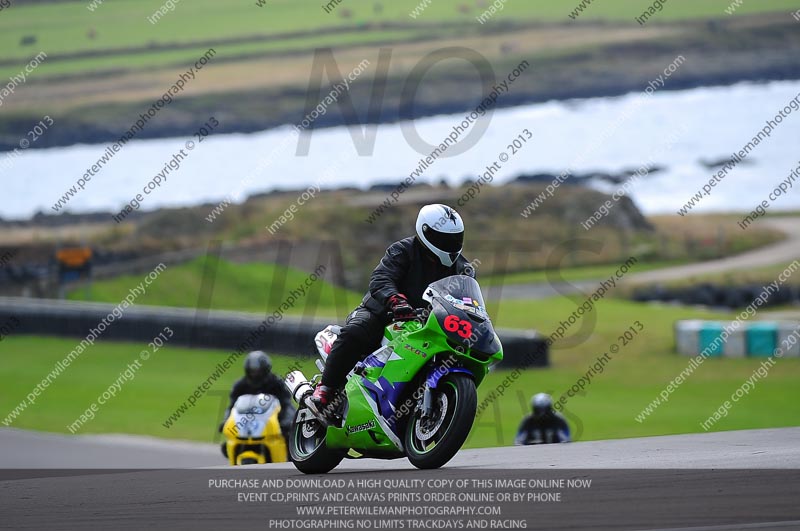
(250, 287)
(605, 409)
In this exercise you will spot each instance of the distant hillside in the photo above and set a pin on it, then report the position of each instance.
(497, 233)
(100, 75)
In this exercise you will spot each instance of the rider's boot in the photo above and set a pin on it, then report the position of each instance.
(322, 403)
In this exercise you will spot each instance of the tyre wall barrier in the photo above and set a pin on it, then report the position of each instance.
(209, 329)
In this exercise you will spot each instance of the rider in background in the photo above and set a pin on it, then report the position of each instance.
(397, 285)
(258, 378)
(544, 426)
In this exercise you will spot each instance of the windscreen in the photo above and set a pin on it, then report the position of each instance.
(255, 404)
(462, 292)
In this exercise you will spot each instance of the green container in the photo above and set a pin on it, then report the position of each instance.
(762, 339)
(709, 335)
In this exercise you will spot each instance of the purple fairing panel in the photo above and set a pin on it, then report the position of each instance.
(437, 372)
(386, 396)
(372, 361)
(378, 357)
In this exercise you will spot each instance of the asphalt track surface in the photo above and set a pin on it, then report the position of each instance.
(763, 449)
(782, 252)
(32, 449)
(704, 482)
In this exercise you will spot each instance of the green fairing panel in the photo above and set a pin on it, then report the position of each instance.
(414, 346)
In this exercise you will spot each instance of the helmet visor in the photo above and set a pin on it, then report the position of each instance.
(256, 374)
(449, 242)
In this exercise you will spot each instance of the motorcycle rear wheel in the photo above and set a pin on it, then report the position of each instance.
(455, 404)
(308, 450)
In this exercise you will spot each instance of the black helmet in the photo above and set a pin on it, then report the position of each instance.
(542, 404)
(257, 366)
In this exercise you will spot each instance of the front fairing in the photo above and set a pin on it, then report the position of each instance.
(253, 415)
(457, 305)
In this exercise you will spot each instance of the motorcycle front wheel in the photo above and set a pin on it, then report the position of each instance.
(432, 442)
(308, 450)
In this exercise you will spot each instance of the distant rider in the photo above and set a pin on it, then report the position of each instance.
(258, 378)
(397, 285)
(545, 425)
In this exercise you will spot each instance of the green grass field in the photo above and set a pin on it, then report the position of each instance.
(261, 288)
(633, 378)
(257, 287)
(606, 410)
(252, 287)
(594, 272)
(238, 287)
(239, 27)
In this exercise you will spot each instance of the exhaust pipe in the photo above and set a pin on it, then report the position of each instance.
(298, 385)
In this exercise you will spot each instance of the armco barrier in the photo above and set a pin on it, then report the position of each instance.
(210, 329)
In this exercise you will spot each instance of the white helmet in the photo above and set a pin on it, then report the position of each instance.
(441, 230)
(542, 403)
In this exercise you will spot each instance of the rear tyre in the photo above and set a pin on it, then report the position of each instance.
(249, 461)
(307, 448)
(431, 443)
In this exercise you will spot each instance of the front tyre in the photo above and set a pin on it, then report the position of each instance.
(307, 448)
(430, 443)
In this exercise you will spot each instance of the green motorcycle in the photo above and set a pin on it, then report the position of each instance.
(414, 397)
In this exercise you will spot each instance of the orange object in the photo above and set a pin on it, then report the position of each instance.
(74, 256)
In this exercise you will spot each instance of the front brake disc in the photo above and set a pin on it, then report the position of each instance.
(425, 433)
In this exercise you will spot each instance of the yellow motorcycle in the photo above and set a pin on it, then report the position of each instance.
(252, 432)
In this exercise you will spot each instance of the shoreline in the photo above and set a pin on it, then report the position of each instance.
(67, 136)
(598, 60)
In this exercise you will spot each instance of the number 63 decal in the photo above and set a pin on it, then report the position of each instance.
(453, 323)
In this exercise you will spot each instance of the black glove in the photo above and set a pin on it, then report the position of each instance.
(401, 309)
(221, 425)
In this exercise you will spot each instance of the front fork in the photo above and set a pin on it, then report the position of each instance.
(431, 383)
(427, 403)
